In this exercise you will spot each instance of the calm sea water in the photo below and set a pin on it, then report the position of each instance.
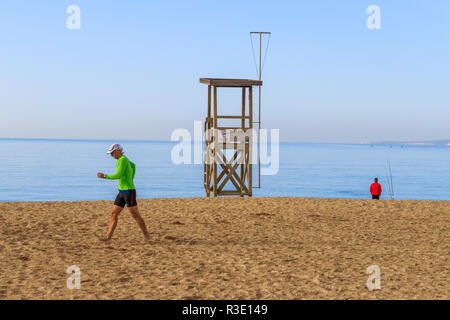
(65, 170)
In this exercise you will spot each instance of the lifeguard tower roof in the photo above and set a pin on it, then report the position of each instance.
(217, 82)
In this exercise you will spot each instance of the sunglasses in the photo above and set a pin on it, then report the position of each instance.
(112, 153)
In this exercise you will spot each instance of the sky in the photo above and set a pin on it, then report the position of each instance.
(132, 69)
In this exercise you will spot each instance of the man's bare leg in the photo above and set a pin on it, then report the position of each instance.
(116, 210)
(134, 211)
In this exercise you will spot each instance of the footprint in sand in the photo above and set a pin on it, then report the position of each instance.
(262, 214)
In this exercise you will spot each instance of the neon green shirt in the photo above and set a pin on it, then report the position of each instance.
(125, 170)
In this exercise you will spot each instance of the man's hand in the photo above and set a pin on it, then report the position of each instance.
(101, 175)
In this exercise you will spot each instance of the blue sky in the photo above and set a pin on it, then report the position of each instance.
(132, 70)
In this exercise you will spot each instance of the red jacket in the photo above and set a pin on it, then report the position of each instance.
(375, 189)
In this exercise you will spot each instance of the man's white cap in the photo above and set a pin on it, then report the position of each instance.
(113, 148)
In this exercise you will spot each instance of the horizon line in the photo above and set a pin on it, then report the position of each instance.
(156, 140)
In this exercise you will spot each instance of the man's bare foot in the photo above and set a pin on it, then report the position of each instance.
(104, 239)
(146, 238)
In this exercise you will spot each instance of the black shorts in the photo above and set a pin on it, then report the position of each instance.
(126, 197)
(376, 197)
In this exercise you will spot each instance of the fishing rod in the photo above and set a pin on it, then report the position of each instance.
(390, 183)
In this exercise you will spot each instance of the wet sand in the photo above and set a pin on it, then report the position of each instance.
(227, 248)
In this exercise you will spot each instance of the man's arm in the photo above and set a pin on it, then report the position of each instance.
(133, 169)
(121, 166)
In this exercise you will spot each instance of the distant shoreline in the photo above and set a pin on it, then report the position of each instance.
(416, 143)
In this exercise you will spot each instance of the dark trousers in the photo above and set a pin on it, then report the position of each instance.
(377, 197)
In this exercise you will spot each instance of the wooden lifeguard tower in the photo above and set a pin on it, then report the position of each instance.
(218, 170)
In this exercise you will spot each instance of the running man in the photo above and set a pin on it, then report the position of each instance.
(375, 189)
(125, 170)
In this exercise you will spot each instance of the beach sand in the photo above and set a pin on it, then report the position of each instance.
(227, 248)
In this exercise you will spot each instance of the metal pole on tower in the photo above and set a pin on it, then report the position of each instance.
(259, 100)
(259, 115)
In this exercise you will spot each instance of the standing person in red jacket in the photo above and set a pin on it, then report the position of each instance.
(375, 189)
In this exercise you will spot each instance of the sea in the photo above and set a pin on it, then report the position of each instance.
(66, 170)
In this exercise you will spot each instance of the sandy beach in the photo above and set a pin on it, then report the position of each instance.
(227, 248)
